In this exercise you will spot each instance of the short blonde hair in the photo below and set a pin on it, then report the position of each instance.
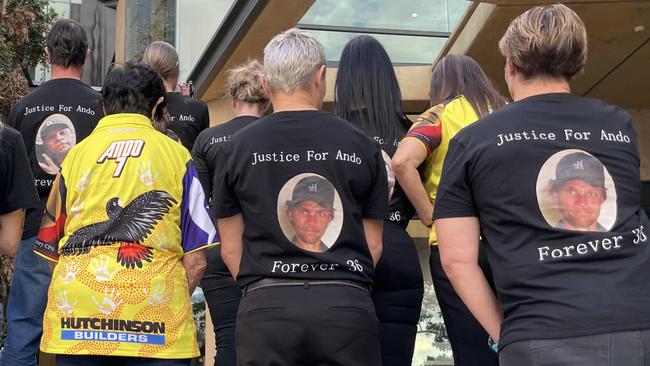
(244, 83)
(546, 41)
(291, 59)
(163, 58)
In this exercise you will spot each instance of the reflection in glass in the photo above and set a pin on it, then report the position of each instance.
(335, 22)
(147, 21)
(401, 49)
(98, 20)
(423, 15)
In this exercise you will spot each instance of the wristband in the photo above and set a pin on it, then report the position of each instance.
(494, 346)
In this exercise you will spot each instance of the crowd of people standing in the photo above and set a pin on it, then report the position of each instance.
(539, 248)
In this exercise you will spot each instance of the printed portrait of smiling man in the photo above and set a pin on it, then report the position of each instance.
(579, 191)
(310, 211)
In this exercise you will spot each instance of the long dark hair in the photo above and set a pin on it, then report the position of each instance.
(366, 79)
(456, 75)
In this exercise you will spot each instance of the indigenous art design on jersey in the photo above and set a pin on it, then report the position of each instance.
(126, 208)
(128, 225)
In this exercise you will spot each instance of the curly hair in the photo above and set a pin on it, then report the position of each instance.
(244, 83)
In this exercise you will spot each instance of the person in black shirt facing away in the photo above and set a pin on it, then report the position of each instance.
(368, 95)
(56, 115)
(17, 193)
(249, 102)
(301, 306)
(187, 116)
(572, 295)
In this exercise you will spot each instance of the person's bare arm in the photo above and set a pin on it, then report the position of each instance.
(373, 230)
(194, 264)
(458, 241)
(408, 157)
(231, 230)
(11, 229)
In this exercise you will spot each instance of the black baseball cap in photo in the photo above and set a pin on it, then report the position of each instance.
(52, 125)
(316, 189)
(581, 166)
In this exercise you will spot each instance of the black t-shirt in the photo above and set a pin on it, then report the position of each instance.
(205, 155)
(400, 210)
(52, 119)
(554, 181)
(208, 145)
(305, 177)
(189, 117)
(16, 182)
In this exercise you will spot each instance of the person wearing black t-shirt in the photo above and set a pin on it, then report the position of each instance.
(570, 294)
(302, 306)
(17, 193)
(368, 95)
(187, 116)
(248, 102)
(58, 114)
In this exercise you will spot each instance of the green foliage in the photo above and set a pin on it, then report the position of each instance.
(23, 28)
(32, 19)
(6, 53)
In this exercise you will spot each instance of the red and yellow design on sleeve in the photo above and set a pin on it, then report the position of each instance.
(427, 128)
(47, 241)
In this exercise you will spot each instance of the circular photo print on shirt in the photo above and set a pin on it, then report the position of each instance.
(576, 192)
(310, 212)
(55, 137)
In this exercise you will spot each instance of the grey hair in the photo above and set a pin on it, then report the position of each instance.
(290, 60)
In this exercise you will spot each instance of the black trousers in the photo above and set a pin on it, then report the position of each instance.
(222, 295)
(467, 337)
(397, 296)
(316, 325)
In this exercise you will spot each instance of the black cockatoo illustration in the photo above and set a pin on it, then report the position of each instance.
(129, 226)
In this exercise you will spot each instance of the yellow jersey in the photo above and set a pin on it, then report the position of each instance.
(124, 210)
(439, 123)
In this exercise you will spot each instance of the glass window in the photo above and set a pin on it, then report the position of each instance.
(423, 15)
(431, 341)
(61, 7)
(147, 21)
(98, 20)
(401, 49)
(412, 31)
(193, 15)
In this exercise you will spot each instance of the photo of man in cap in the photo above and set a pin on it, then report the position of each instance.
(579, 191)
(310, 211)
(58, 137)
